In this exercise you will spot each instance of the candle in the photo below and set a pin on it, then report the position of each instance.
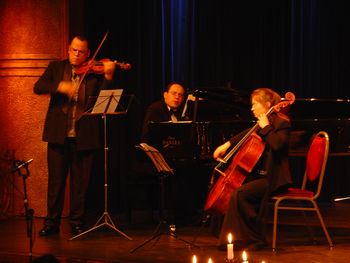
(210, 261)
(245, 257)
(194, 259)
(230, 254)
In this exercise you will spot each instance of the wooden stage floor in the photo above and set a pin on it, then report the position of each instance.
(107, 245)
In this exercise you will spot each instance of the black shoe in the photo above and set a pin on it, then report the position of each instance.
(49, 230)
(77, 230)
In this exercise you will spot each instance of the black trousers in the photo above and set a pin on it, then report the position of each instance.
(64, 160)
(241, 219)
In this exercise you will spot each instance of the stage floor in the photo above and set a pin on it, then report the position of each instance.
(105, 244)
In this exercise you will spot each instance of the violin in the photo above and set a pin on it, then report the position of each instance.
(97, 67)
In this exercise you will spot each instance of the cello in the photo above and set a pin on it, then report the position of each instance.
(245, 154)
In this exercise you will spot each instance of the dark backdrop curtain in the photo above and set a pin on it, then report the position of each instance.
(296, 45)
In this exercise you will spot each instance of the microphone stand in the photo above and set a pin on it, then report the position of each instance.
(29, 212)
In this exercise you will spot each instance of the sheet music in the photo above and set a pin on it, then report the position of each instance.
(103, 100)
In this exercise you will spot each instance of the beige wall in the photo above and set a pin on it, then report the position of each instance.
(33, 32)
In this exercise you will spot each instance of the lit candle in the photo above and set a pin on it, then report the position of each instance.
(194, 259)
(210, 261)
(230, 255)
(245, 257)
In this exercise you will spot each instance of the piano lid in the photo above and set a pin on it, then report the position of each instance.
(312, 108)
(219, 104)
(308, 116)
(226, 103)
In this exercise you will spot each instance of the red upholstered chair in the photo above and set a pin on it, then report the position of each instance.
(304, 198)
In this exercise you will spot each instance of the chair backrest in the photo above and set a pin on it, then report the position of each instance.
(157, 159)
(316, 161)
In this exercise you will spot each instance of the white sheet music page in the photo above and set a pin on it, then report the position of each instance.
(106, 95)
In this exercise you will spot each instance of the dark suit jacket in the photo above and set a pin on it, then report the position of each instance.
(157, 112)
(55, 127)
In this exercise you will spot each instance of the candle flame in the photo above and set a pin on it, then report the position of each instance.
(229, 238)
(210, 260)
(244, 256)
(194, 259)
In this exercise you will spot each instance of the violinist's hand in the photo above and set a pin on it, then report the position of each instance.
(221, 150)
(263, 120)
(67, 88)
(109, 67)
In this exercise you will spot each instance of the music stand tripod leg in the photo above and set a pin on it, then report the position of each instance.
(162, 223)
(204, 222)
(107, 222)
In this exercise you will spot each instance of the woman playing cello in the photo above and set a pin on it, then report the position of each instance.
(270, 174)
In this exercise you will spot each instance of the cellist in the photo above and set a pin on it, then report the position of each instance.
(271, 174)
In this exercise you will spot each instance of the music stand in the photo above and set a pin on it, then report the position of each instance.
(106, 104)
(163, 170)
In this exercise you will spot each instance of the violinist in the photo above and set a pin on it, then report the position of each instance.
(271, 174)
(72, 140)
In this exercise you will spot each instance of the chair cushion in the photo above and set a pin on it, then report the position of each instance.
(299, 192)
(296, 192)
(315, 158)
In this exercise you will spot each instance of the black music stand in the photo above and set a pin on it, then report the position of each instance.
(163, 170)
(108, 103)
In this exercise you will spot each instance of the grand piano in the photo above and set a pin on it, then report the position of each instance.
(220, 113)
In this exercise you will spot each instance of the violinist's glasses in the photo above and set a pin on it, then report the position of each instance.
(174, 93)
(77, 51)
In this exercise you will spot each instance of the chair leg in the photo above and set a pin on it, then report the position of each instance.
(274, 232)
(323, 225)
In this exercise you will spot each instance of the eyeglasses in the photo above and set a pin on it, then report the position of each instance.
(77, 51)
(174, 93)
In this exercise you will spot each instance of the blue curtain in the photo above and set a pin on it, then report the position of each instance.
(177, 41)
(296, 45)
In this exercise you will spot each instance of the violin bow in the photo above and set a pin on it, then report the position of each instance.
(99, 46)
(93, 57)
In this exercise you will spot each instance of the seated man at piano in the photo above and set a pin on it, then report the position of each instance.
(168, 109)
(270, 172)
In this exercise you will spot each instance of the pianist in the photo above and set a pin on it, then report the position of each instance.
(177, 187)
(167, 109)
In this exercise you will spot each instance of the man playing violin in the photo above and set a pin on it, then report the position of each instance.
(248, 203)
(72, 139)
